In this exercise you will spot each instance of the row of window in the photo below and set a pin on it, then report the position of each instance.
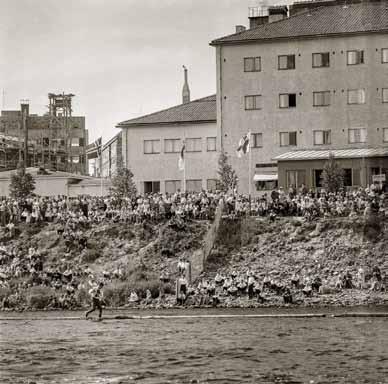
(320, 99)
(74, 142)
(320, 137)
(175, 145)
(172, 186)
(319, 60)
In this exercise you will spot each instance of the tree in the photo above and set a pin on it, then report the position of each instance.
(332, 175)
(22, 184)
(227, 175)
(123, 184)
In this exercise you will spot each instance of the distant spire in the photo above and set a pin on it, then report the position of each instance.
(186, 89)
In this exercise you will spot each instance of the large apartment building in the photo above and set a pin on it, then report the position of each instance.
(306, 86)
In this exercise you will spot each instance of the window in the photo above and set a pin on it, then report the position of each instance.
(74, 141)
(287, 138)
(45, 141)
(296, 178)
(211, 144)
(385, 135)
(252, 102)
(252, 64)
(286, 62)
(385, 95)
(317, 178)
(321, 99)
(151, 186)
(211, 184)
(321, 60)
(193, 145)
(173, 186)
(256, 140)
(357, 135)
(384, 55)
(348, 177)
(287, 100)
(355, 57)
(322, 137)
(356, 96)
(151, 146)
(356, 176)
(194, 185)
(62, 142)
(172, 145)
(81, 142)
(75, 159)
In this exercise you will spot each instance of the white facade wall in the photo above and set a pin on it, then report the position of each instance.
(233, 84)
(163, 166)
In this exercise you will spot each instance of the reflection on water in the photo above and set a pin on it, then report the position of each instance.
(250, 350)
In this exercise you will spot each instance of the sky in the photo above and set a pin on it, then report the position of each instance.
(121, 58)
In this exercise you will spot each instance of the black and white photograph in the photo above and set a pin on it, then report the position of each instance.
(194, 191)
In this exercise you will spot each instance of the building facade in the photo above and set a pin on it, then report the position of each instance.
(316, 81)
(56, 140)
(152, 144)
(111, 157)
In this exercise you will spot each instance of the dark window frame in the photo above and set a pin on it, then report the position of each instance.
(287, 94)
(325, 131)
(382, 55)
(207, 144)
(254, 65)
(254, 141)
(382, 95)
(153, 152)
(320, 66)
(193, 138)
(321, 105)
(361, 57)
(294, 133)
(288, 62)
(177, 151)
(255, 108)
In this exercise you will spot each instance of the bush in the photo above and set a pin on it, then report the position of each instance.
(82, 297)
(90, 255)
(4, 292)
(39, 297)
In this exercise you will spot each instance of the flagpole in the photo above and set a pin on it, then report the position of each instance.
(250, 172)
(184, 163)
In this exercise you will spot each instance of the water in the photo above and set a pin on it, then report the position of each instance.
(192, 350)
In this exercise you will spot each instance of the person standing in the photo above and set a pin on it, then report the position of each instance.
(97, 296)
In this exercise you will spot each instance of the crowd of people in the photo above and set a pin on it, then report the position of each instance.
(310, 204)
(263, 287)
(90, 209)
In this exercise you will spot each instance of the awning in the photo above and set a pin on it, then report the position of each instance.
(318, 154)
(267, 177)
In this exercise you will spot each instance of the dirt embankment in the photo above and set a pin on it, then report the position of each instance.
(132, 257)
(324, 248)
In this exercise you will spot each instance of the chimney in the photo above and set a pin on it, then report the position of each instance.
(240, 28)
(276, 13)
(186, 89)
(257, 16)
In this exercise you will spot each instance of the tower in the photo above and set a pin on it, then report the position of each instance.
(186, 89)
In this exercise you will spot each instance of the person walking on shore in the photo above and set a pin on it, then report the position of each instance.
(97, 296)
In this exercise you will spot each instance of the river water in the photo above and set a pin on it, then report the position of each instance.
(193, 350)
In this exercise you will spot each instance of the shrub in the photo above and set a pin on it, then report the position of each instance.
(4, 292)
(91, 255)
(39, 297)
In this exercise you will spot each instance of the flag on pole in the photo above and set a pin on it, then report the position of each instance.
(181, 161)
(243, 145)
(93, 150)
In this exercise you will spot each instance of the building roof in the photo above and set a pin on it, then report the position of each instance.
(200, 110)
(319, 22)
(338, 154)
(49, 174)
